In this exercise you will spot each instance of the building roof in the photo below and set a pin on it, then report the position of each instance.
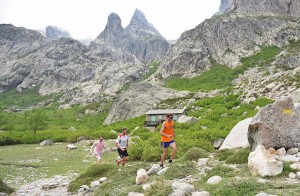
(168, 111)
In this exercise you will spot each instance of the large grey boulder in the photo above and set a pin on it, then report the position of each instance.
(237, 138)
(276, 125)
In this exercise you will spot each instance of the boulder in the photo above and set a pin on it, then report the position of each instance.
(214, 180)
(187, 119)
(263, 163)
(141, 176)
(71, 147)
(201, 193)
(218, 143)
(103, 179)
(238, 136)
(135, 194)
(154, 169)
(182, 187)
(47, 142)
(276, 125)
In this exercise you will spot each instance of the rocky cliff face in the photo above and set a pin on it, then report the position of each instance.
(53, 33)
(226, 39)
(63, 65)
(268, 7)
(132, 104)
(139, 38)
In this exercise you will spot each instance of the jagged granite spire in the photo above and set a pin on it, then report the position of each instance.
(113, 28)
(139, 38)
(140, 26)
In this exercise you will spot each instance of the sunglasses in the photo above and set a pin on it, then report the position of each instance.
(170, 117)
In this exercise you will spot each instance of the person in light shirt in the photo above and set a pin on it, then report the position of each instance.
(98, 147)
(122, 147)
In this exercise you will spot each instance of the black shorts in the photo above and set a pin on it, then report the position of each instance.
(123, 153)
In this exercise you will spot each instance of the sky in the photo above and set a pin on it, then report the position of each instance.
(87, 18)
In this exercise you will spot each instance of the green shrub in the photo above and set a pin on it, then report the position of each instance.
(179, 171)
(194, 154)
(150, 152)
(159, 188)
(223, 155)
(240, 156)
(91, 174)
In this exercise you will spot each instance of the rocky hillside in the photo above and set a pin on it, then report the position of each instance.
(242, 29)
(226, 38)
(82, 73)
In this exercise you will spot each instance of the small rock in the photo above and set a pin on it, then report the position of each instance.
(103, 179)
(214, 180)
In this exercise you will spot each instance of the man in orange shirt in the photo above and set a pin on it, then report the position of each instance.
(167, 139)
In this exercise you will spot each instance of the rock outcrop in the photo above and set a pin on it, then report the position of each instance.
(140, 98)
(226, 39)
(53, 33)
(263, 163)
(275, 126)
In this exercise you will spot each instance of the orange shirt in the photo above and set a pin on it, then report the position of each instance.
(169, 129)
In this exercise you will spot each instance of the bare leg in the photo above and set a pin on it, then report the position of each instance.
(163, 156)
(174, 150)
(123, 161)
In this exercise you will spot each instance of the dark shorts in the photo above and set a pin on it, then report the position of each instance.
(166, 144)
(123, 153)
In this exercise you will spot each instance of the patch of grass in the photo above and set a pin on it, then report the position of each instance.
(27, 98)
(223, 155)
(159, 188)
(240, 156)
(233, 156)
(235, 187)
(119, 182)
(4, 188)
(177, 171)
(217, 77)
(194, 154)
(220, 170)
(153, 67)
(26, 163)
(94, 172)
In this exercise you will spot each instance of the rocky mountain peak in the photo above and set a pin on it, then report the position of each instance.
(140, 26)
(113, 28)
(54, 33)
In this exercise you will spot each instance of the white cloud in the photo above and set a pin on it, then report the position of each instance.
(87, 18)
